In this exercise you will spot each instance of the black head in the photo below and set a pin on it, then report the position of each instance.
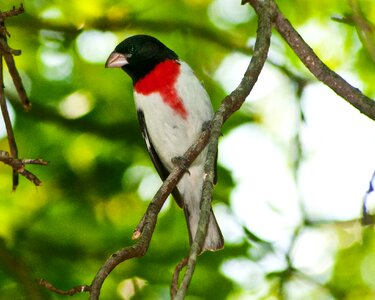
(138, 55)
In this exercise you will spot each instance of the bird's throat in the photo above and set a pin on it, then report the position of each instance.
(162, 79)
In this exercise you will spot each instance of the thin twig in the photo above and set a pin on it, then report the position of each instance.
(4, 48)
(8, 125)
(8, 53)
(18, 166)
(74, 290)
(351, 94)
(15, 11)
(176, 274)
(17, 81)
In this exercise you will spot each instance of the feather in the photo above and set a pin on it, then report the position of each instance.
(162, 171)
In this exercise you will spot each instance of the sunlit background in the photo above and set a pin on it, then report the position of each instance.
(295, 162)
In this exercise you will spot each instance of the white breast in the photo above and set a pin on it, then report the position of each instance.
(170, 134)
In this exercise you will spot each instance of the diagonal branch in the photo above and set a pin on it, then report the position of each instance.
(140, 248)
(17, 81)
(320, 70)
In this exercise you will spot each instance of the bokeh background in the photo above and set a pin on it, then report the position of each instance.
(294, 163)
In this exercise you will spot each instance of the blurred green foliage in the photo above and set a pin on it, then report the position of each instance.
(83, 122)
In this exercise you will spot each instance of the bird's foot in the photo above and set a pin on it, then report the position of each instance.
(206, 125)
(181, 162)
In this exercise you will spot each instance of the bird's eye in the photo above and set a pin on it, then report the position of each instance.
(131, 49)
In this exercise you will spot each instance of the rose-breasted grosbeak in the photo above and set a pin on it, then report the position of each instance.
(172, 107)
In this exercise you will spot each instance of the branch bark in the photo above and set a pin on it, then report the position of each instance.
(140, 247)
(6, 52)
(320, 70)
(18, 166)
(74, 290)
(8, 124)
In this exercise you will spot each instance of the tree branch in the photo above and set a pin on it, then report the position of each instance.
(8, 124)
(12, 13)
(139, 249)
(8, 53)
(18, 165)
(17, 81)
(351, 94)
(174, 284)
(74, 290)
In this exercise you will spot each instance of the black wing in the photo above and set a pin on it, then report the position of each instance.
(162, 171)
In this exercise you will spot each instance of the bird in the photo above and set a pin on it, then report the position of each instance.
(172, 107)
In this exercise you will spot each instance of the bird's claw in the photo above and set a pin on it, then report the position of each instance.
(181, 162)
(206, 125)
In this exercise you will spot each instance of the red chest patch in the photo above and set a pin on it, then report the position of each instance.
(162, 79)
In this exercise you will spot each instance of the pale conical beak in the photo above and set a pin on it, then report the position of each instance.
(116, 60)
